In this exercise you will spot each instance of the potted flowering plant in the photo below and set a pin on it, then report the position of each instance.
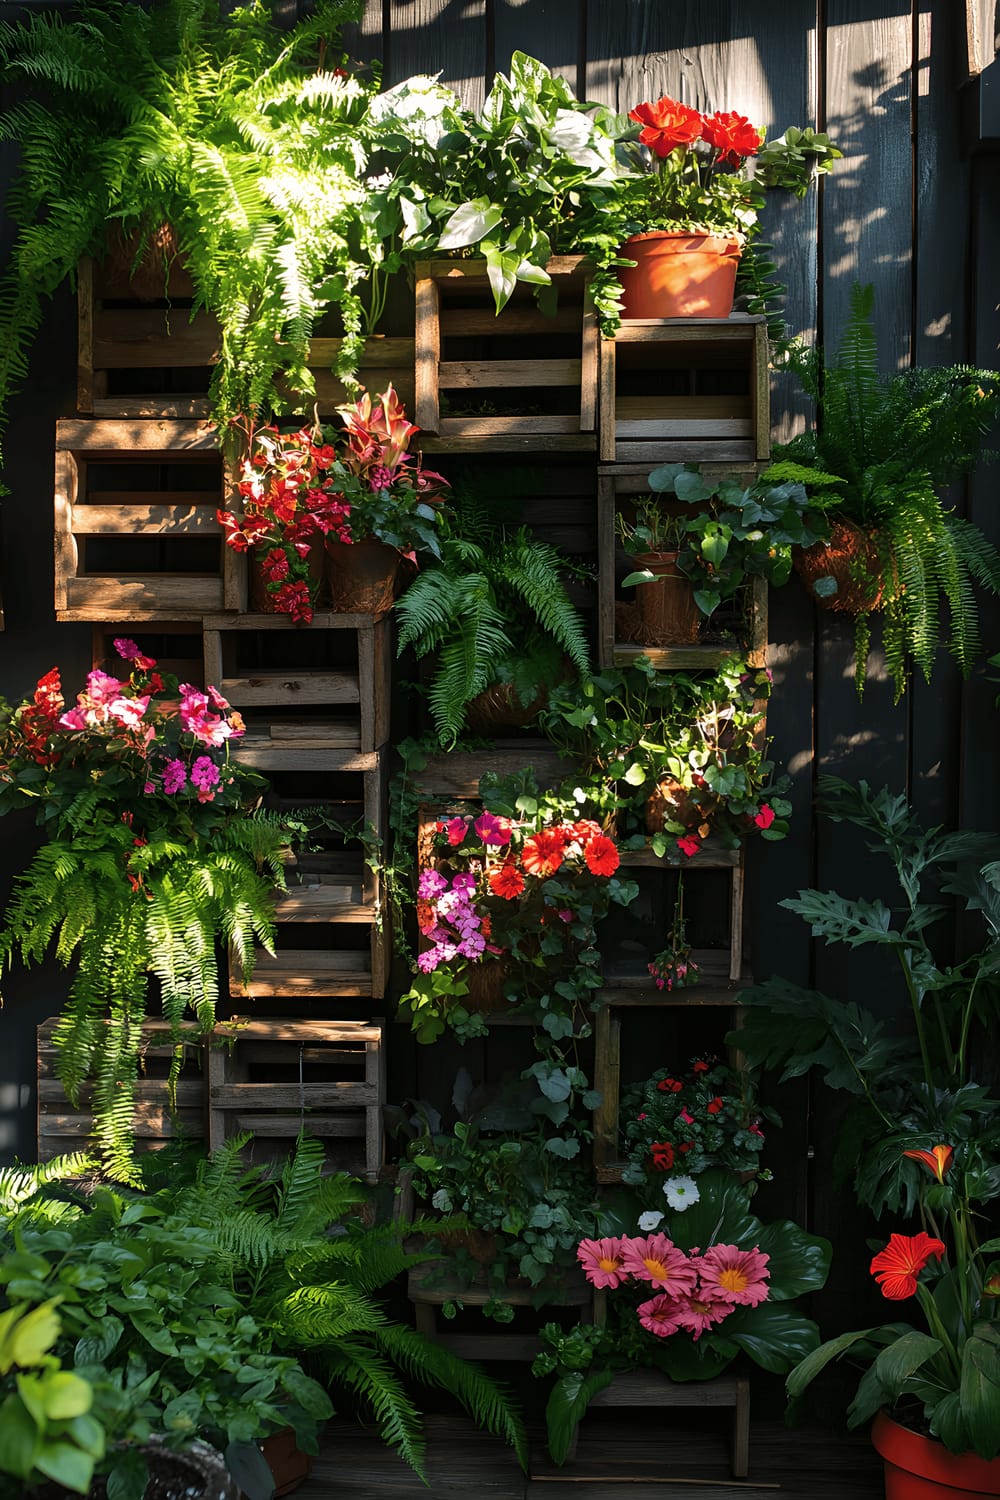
(691, 202)
(156, 847)
(357, 491)
(686, 1302)
(676, 1126)
(513, 895)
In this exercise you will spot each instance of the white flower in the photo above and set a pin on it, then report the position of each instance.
(442, 1200)
(649, 1222)
(681, 1192)
(579, 795)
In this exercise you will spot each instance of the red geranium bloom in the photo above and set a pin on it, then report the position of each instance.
(662, 1154)
(689, 844)
(937, 1159)
(506, 880)
(666, 125)
(700, 1067)
(601, 855)
(543, 852)
(732, 135)
(765, 816)
(670, 1085)
(897, 1267)
(714, 1105)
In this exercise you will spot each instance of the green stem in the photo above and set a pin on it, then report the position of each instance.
(938, 1329)
(918, 1019)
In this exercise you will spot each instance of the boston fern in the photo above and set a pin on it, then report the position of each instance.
(895, 441)
(494, 609)
(241, 137)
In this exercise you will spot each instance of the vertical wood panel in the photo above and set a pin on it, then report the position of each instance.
(365, 43)
(546, 29)
(440, 36)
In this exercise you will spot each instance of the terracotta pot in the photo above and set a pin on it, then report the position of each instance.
(263, 602)
(920, 1468)
(147, 281)
(486, 984)
(679, 275)
(500, 707)
(361, 576)
(286, 1460)
(482, 1246)
(855, 558)
(667, 610)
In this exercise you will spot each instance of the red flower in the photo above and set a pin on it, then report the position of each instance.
(666, 125)
(714, 1105)
(732, 135)
(543, 852)
(684, 1148)
(601, 855)
(765, 817)
(689, 844)
(700, 1067)
(897, 1267)
(669, 1086)
(662, 1154)
(506, 880)
(937, 1159)
(293, 599)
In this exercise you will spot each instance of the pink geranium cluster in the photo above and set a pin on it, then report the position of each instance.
(694, 1290)
(455, 929)
(152, 749)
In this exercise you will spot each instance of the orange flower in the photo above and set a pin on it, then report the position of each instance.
(667, 124)
(543, 852)
(936, 1160)
(897, 1267)
(732, 135)
(506, 880)
(601, 855)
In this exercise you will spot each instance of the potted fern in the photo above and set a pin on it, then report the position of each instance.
(240, 136)
(882, 449)
(156, 849)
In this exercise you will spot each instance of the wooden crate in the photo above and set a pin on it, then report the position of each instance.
(685, 389)
(428, 1290)
(541, 371)
(138, 358)
(747, 626)
(280, 677)
(336, 888)
(276, 1078)
(63, 1126)
(136, 535)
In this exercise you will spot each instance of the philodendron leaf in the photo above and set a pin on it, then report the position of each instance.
(567, 1404)
(798, 1262)
(775, 1337)
(470, 223)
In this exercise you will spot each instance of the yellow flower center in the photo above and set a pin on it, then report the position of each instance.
(608, 1263)
(657, 1270)
(733, 1280)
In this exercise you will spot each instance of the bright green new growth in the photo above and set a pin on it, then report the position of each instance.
(895, 441)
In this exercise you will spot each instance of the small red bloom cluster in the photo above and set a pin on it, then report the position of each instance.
(668, 125)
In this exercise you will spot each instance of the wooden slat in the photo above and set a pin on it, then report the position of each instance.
(675, 658)
(302, 972)
(124, 437)
(291, 1095)
(67, 479)
(736, 329)
(192, 518)
(290, 687)
(473, 270)
(268, 1126)
(427, 354)
(515, 442)
(454, 373)
(285, 755)
(153, 596)
(492, 427)
(142, 337)
(85, 335)
(513, 322)
(727, 450)
(322, 620)
(147, 1124)
(148, 1092)
(324, 903)
(652, 428)
(457, 773)
(276, 1029)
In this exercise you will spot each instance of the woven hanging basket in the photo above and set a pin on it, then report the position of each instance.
(856, 559)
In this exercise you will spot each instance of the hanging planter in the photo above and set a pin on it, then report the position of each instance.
(679, 275)
(920, 1468)
(846, 573)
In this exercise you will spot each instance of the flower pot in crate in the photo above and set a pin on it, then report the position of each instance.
(679, 275)
(361, 576)
(668, 613)
(920, 1468)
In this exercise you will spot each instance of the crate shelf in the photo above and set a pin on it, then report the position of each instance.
(276, 1078)
(138, 358)
(136, 535)
(529, 361)
(684, 389)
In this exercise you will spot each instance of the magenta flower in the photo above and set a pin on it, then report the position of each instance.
(456, 829)
(431, 884)
(735, 1276)
(174, 776)
(659, 1315)
(128, 711)
(657, 1259)
(204, 773)
(491, 829)
(602, 1261)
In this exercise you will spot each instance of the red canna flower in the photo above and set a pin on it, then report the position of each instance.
(732, 135)
(936, 1160)
(601, 855)
(897, 1267)
(667, 124)
(543, 852)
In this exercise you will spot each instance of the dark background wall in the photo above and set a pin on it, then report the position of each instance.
(911, 209)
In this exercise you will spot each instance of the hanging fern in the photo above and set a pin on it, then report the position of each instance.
(893, 442)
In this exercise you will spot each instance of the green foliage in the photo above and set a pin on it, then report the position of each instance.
(913, 1087)
(233, 132)
(894, 441)
(46, 1427)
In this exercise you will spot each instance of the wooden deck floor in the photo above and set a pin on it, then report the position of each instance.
(647, 1455)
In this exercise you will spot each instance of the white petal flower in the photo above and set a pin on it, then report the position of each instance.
(681, 1192)
(649, 1222)
(442, 1200)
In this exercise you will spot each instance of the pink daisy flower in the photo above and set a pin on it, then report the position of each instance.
(658, 1260)
(701, 1311)
(734, 1275)
(602, 1261)
(659, 1315)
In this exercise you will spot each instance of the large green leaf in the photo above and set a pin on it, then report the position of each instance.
(979, 1395)
(683, 1359)
(568, 1401)
(775, 1337)
(799, 1262)
(720, 1217)
(890, 1373)
(809, 1367)
(469, 223)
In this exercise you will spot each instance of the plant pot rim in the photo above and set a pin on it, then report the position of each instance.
(724, 241)
(929, 1458)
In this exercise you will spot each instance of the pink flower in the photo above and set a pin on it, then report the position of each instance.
(204, 773)
(73, 718)
(765, 817)
(491, 829)
(688, 1119)
(174, 776)
(700, 1311)
(456, 829)
(689, 845)
(129, 651)
(657, 1259)
(128, 711)
(602, 1261)
(659, 1315)
(101, 688)
(733, 1275)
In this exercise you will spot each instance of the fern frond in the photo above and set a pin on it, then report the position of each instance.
(374, 1380)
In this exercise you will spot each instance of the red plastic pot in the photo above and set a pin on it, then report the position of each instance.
(920, 1468)
(679, 275)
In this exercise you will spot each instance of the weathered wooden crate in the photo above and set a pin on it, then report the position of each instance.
(276, 1078)
(530, 381)
(136, 535)
(428, 1290)
(742, 628)
(685, 389)
(63, 1126)
(336, 673)
(142, 358)
(333, 930)
(176, 647)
